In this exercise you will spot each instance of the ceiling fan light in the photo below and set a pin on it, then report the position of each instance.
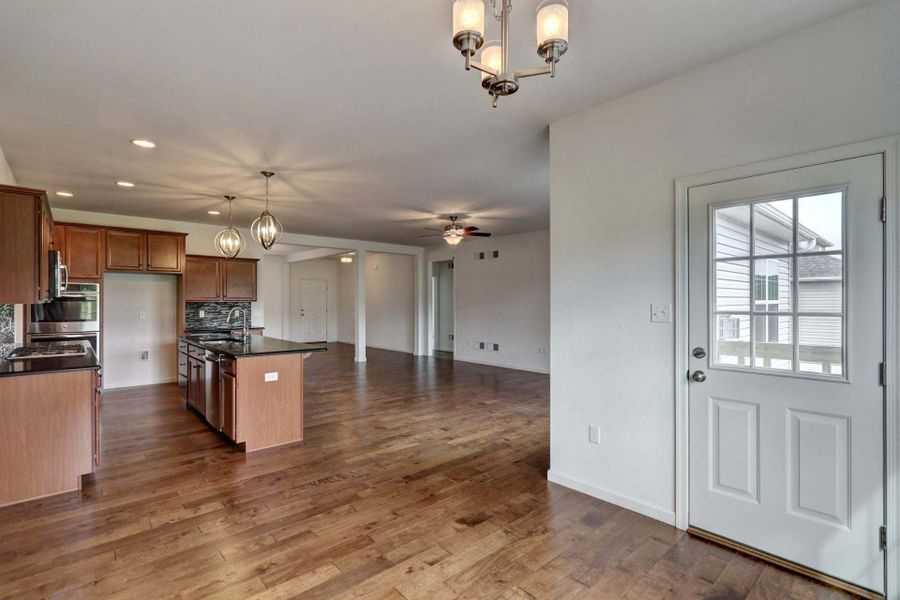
(346, 259)
(266, 230)
(552, 29)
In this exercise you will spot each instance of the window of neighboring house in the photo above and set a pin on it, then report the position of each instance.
(766, 299)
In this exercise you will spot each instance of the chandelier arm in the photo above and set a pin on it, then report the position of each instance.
(535, 72)
(484, 68)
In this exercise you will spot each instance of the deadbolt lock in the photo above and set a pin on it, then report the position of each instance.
(699, 352)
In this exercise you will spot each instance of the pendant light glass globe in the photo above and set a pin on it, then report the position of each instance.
(229, 242)
(266, 229)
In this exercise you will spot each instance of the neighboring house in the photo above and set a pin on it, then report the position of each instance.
(819, 290)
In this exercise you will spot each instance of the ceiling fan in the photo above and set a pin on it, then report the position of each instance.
(454, 233)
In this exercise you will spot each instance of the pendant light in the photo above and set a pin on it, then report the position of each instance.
(229, 242)
(266, 229)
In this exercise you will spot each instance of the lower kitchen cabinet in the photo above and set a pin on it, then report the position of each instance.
(228, 396)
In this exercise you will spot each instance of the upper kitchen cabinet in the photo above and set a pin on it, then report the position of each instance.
(81, 248)
(202, 278)
(165, 252)
(125, 249)
(239, 279)
(213, 279)
(26, 238)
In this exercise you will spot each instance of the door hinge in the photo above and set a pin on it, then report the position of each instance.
(882, 374)
(882, 538)
(884, 210)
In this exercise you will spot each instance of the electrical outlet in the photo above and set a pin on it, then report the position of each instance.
(594, 434)
(145, 355)
(479, 345)
(542, 350)
(495, 347)
(495, 254)
(271, 377)
(142, 315)
(202, 313)
(481, 256)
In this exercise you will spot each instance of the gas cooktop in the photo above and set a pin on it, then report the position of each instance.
(47, 351)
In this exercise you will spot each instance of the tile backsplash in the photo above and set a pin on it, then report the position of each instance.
(214, 317)
(7, 329)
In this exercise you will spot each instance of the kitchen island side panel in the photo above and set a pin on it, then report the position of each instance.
(269, 413)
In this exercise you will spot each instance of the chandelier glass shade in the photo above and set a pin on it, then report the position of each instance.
(551, 26)
(229, 242)
(266, 229)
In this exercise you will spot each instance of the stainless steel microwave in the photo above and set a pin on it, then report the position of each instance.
(75, 309)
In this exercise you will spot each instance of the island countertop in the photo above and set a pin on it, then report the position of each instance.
(259, 345)
(37, 366)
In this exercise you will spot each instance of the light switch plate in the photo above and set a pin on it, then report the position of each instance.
(593, 434)
(660, 313)
(271, 376)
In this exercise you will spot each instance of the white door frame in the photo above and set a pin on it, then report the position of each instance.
(431, 320)
(888, 148)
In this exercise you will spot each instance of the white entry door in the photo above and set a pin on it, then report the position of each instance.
(786, 331)
(313, 310)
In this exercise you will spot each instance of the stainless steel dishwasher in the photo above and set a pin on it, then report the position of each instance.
(211, 381)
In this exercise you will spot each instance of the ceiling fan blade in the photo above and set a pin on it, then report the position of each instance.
(468, 229)
(430, 235)
(432, 229)
(476, 234)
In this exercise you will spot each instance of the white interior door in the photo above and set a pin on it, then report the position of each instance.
(313, 310)
(786, 322)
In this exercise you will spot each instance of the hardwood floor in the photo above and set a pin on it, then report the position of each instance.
(418, 478)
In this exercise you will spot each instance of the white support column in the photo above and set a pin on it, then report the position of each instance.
(360, 305)
(422, 347)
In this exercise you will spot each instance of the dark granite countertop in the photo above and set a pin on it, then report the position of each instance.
(188, 332)
(37, 366)
(258, 346)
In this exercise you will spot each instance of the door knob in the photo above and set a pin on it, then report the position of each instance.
(698, 376)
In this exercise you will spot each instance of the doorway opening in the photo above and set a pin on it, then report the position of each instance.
(443, 309)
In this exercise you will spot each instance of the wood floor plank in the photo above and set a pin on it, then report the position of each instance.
(419, 478)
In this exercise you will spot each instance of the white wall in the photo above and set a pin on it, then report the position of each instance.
(504, 300)
(273, 289)
(126, 334)
(612, 222)
(346, 302)
(390, 301)
(323, 268)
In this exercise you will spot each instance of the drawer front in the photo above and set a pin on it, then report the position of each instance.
(196, 352)
(182, 364)
(226, 365)
(182, 347)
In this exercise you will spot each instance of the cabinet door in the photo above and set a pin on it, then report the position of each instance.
(202, 278)
(239, 280)
(83, 255)
(96, 426)
(228, 408)
(45, 242)
(165, 252)
(196, 385)
(125, 249)
(59, 241)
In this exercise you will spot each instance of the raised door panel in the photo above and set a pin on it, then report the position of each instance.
(19, 232)
(45, 243)
(125, 250)
(202, 278)
(239, 280)
(83, 254)
(165, 252)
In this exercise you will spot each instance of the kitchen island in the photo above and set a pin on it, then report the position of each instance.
(49, 425)
(251, 392)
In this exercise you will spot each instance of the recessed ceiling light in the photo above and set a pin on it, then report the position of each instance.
(213, 212)
(143, 143)
(65, 194)
(127, 184)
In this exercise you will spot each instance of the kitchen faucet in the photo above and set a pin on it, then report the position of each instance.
(245, 330)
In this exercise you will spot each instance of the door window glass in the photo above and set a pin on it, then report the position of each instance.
(778, 286)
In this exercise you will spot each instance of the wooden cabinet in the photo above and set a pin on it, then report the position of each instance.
(125, 249)
(165, 252)
(202, 278)
(228, 396)
(196, 385)
(239, 280)
(212, 279)
(183, 370)
(26, 238)
(81, 248)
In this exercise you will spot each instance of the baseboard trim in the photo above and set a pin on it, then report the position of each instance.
(122, 387)
(504, 366)
(648, 510)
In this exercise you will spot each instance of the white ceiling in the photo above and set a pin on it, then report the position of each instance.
(362, 108)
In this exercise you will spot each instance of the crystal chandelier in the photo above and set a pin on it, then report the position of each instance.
(266, 229)
(229, 242)
(496, 78)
